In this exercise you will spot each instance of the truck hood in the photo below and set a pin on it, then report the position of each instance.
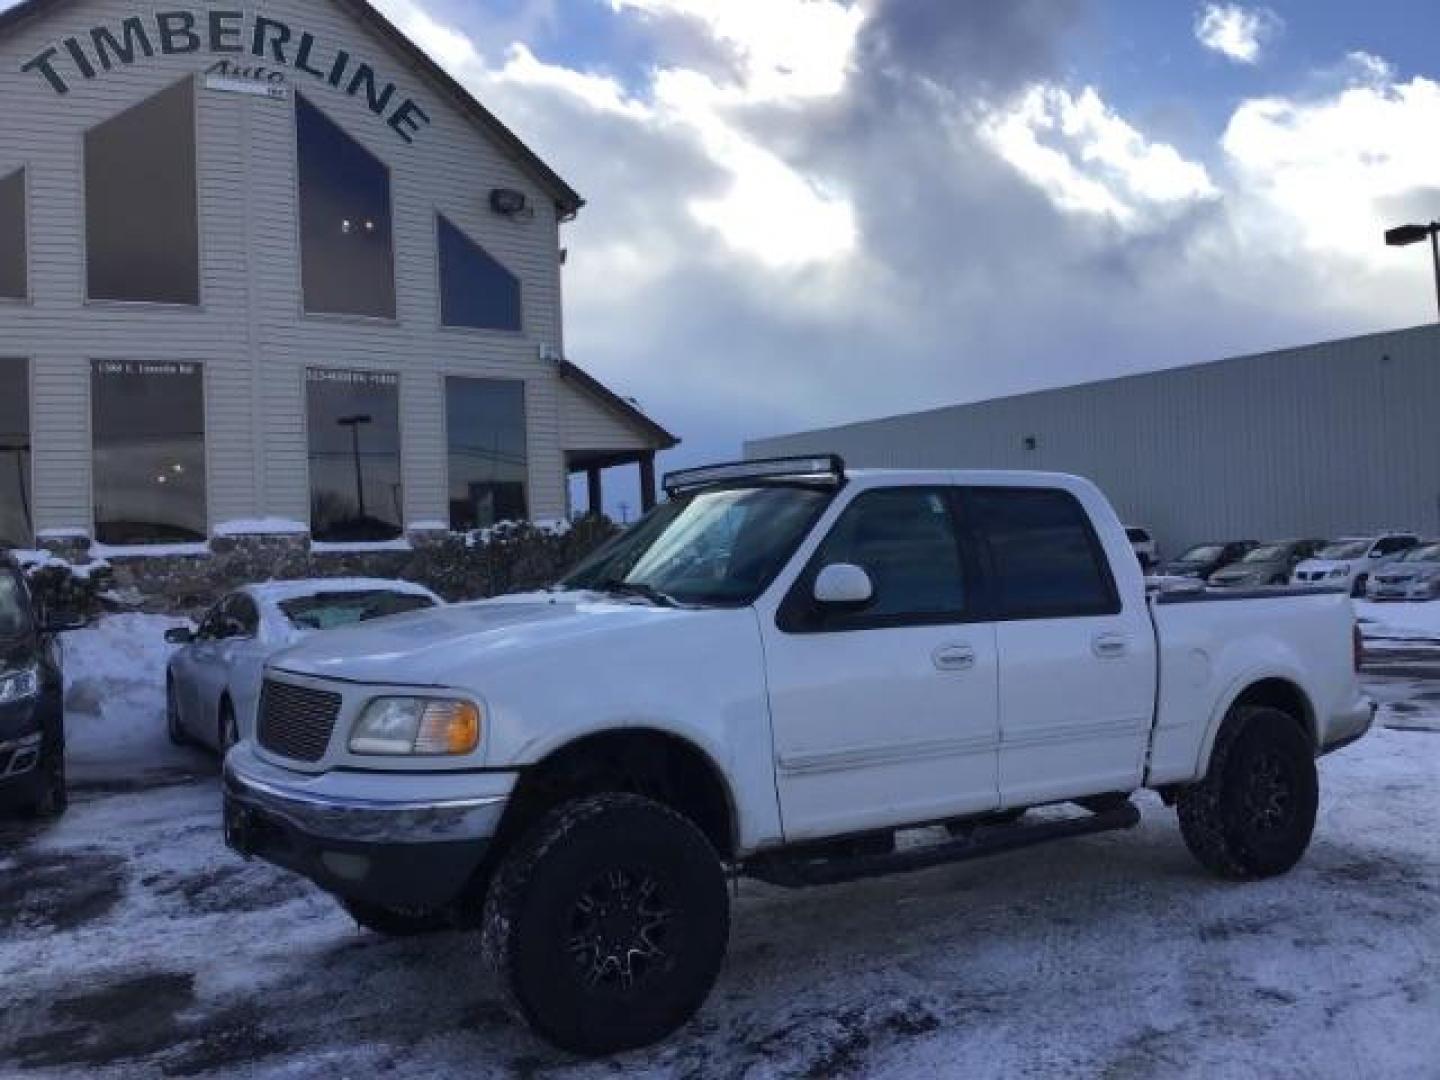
(419, 648)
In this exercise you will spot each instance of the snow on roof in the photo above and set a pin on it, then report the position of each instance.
(278, 592)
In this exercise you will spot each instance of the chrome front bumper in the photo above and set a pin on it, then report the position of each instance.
(400, 840)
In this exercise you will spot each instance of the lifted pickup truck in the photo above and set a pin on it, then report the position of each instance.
(771, 675)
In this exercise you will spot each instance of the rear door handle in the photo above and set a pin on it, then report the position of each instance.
(954, 658)
(1111, 646)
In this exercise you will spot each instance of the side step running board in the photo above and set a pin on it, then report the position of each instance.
(798, 872)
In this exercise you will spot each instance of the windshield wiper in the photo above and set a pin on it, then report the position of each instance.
(616, 587)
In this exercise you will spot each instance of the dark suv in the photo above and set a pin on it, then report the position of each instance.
(32, 703)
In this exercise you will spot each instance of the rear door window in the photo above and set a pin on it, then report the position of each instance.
(1041, 553)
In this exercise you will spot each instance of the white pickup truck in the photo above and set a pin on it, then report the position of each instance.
(772, 675)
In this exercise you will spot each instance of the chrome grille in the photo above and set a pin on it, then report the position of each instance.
(296, 721)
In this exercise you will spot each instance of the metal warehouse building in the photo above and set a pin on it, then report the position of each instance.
(266, 267)
(1319, 441)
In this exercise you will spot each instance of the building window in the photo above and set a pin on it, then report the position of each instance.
(485, 422)
(142, 233)
(148, 420)
(14, 256)
(16, 526)
(346, 247)
(355, 493)
(475, 289)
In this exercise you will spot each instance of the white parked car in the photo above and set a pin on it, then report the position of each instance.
(1348, 562)
(874, 653)
(1143, 541)
(1413, 576)
(212, 684)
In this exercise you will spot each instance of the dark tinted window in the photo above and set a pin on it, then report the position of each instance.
(485, 424)
(904, 538)
(16, 527)
(14, 258)
(1044, 557)
(346, 250)
(142, 237)
(354, 421)
(1391, 544)
(148, 421)
(475, 289)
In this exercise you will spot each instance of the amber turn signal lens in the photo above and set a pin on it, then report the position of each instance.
(448, 727)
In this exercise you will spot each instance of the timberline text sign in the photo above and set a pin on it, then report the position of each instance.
(225, 33)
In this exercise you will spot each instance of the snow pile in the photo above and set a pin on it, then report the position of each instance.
(115, 690)
(32, 561)
(261, 527)
(1399, 621)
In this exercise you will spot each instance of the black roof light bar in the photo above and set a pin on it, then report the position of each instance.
(828, 468)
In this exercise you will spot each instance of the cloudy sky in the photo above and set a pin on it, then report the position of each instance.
(811, 211)
(804, 212)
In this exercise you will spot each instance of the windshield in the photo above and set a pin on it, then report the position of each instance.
(721, 546)
(14, 606)
(329, 610)
(1267, 553)
(1344, 549)
(1423, 553)
(1202, 553)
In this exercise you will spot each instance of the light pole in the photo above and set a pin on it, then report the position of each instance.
(354, 423)
(1405, 235)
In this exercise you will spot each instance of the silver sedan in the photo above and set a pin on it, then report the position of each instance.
(212, 684)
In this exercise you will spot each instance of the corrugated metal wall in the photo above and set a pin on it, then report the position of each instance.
(1321, 440)
(249, 332)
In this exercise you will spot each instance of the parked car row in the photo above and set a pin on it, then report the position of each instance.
(1353, 563)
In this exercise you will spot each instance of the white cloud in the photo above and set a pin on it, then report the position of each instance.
(1328, 172)
(1237, 32)
(1089, 160)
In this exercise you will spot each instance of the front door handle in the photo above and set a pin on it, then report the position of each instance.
(1111, 646)
(954, 658)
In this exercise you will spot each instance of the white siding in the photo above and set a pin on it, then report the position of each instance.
(1315, 441)
(249, 332)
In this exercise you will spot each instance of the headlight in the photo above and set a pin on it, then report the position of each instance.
(424, 727)
(18, 686)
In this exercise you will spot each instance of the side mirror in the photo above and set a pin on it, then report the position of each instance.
(53, 625)
(844, 585)
(180, 635)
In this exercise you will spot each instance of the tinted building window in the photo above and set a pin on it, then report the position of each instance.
(148, 421)
(142, 238)
(16, 526)
(485, 421)
(14, 256)
(475, 289)
(1045, 559)
(354, 419)
(346, 256)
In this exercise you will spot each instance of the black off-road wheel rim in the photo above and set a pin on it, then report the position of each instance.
(622, 933)
(1268, 797)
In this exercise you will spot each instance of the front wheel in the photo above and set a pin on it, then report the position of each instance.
(172, 715)
(1254, 813)
(608, 923)
(52, 794)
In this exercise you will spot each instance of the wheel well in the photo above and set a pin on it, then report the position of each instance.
(660, 766)
(1283, 695)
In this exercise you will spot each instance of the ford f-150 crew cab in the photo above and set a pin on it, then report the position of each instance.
(771, 675)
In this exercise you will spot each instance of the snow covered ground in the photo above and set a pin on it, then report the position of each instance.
(133, 944)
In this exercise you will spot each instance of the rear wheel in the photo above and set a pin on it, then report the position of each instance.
(229, 733)
(607, 924)
(397, 922)
(1254, 813)
(172, 715)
